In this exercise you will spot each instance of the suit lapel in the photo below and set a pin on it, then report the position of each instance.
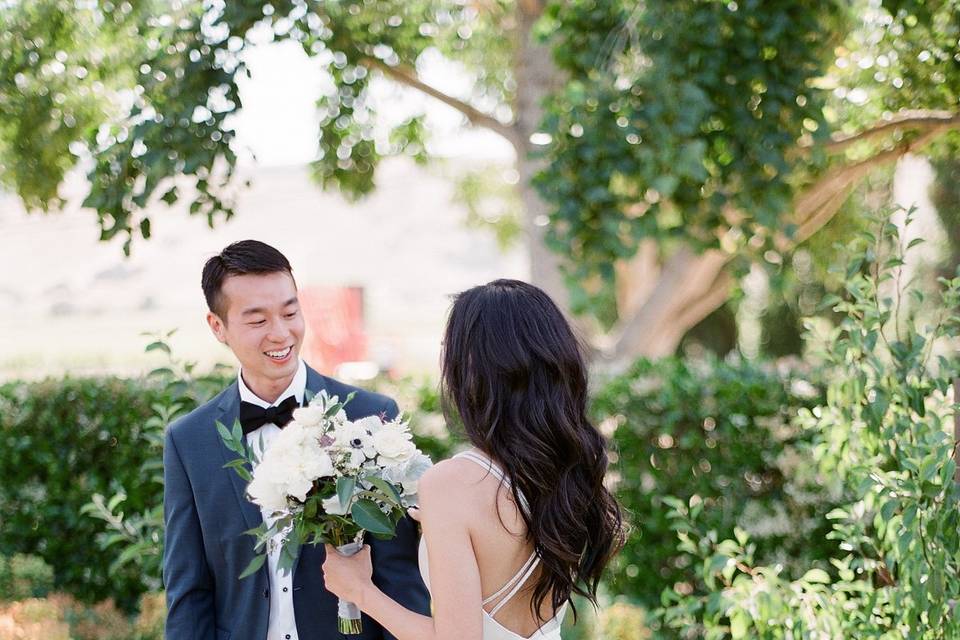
(229, 411)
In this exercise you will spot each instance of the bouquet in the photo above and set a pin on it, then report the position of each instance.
(326, 479)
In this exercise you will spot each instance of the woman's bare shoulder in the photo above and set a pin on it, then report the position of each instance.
(453, 479)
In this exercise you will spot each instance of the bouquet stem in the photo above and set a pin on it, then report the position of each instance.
(348, 614)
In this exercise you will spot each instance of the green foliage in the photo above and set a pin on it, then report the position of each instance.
(65, 440)
(691, 121)
(62, 440)
(685, 111)
(59, 67)
(490, 197)
(419, 400)
(717, 434)
(799, 282)
(134, 538)
(23, 576)
(701, 120)
(885, 433)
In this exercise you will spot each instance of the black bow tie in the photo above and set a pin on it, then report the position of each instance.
(253, 417)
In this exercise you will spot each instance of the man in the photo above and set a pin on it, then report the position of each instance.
(253, 309)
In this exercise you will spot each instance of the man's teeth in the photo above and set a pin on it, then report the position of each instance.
(279, 354)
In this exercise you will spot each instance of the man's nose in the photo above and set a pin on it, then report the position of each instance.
(279, 332)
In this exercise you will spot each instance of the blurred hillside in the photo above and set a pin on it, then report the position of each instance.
(72, 303)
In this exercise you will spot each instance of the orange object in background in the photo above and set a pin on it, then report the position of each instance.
(335, 331)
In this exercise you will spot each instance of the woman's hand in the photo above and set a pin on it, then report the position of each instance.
(348, 577)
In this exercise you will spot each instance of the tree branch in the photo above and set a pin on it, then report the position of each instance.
(698, 309)
(406, 76)
(911, 120)
(676, 301)
(684, 278)
(817, 204)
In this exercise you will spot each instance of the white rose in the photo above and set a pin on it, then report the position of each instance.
(355, 459)
(309, 416)
(394, 445)
(266, 493)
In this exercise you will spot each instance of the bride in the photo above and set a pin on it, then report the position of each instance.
(521, 521)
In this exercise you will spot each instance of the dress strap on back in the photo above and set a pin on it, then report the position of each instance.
(492, 467)
(532, 560)
(516, 588)
(484, 462)
(521, 576)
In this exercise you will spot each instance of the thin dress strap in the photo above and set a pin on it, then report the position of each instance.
(492, 467)
(518, 585)
(485, 462)
(526, 565)
(521, 576)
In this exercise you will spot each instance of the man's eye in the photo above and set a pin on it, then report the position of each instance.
(256, 323)
(290, 315)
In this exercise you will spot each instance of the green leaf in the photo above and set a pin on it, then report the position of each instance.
(369, 517)
(388, 489)
(816, 576)
(739, 624)
(158, 346)
(345, 487)
(254, 565)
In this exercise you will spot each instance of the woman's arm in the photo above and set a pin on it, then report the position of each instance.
(454, 575)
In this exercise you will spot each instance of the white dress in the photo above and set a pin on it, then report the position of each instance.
(493, 630)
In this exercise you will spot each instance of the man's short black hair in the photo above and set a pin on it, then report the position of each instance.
(240, 258)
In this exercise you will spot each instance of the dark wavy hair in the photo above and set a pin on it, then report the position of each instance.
(240, 258)
(514, 374)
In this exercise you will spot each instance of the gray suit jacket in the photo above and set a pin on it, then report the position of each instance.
(206, 512)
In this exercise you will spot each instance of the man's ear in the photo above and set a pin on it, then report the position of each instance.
(217, 326)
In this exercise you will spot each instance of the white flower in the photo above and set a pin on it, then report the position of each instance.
(291, 464)
(352, 435)
(371, 423)
(394, 445)
(266, 493)
(355, 459)
(309, 416)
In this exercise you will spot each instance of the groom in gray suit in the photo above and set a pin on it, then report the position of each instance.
(253, 309)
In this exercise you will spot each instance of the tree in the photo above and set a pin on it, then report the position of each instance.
(661, 146)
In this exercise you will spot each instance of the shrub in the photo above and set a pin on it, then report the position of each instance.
(64, 440)
(60, 441)
(884, 431)
(715, 433)
(23, 576)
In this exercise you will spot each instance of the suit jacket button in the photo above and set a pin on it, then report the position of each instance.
(266, 593)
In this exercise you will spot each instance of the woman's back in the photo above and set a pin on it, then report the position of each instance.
(507, 564)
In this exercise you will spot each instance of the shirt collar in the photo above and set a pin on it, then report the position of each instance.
(297, 388)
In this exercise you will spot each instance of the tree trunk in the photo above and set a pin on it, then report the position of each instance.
(536, 78)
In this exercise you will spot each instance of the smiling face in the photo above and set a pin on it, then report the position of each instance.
(264, 327)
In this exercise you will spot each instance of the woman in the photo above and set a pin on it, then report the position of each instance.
(516, 525)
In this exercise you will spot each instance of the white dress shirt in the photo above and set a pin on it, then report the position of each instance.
(283, 625)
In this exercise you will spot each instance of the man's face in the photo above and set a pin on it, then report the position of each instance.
(263, 326)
